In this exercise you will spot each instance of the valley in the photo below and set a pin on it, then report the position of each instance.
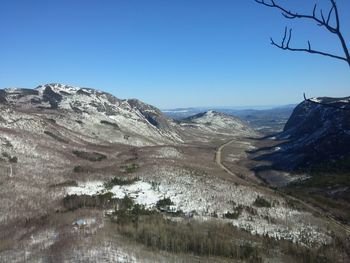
(87, 176)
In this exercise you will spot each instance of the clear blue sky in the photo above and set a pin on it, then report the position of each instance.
(169, 53)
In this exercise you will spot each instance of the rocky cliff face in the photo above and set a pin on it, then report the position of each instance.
(92, 115)
(318, 131)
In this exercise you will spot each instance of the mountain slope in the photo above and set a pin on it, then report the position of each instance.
(217, 122)
(318, 131)
(95, 115)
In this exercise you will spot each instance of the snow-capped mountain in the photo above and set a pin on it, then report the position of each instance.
(217, 122)
(318, 131)
(68, 111)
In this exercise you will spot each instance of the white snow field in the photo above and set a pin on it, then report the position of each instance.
(205, 198)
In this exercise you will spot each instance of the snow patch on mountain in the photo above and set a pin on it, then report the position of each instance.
(96, 114)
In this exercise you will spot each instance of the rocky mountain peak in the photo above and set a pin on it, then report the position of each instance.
(121, 118)
(58, 88)
(319, 114)
(318, 131)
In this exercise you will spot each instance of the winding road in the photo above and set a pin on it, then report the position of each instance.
(218, 159)
(331, 219)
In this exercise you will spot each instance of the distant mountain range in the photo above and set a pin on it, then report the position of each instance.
(264, 119)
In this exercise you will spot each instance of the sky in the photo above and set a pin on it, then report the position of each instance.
(170, 53)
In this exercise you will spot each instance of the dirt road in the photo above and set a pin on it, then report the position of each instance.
(218, 157)
(331, 219)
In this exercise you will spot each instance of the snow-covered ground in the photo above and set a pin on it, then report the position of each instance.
(205, 198)
(142, 192)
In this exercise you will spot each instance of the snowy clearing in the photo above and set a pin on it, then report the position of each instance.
(205, 200)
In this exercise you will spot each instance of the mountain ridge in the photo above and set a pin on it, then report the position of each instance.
(318, 131)
(141, 123)
(218, 122)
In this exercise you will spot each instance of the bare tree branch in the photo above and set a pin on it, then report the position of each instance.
(285, 46)
(329, 15)
(290, 37)
(320, 20)
(334, 6)
(292, 15)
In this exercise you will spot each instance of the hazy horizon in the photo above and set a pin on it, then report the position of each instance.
(245, 107)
